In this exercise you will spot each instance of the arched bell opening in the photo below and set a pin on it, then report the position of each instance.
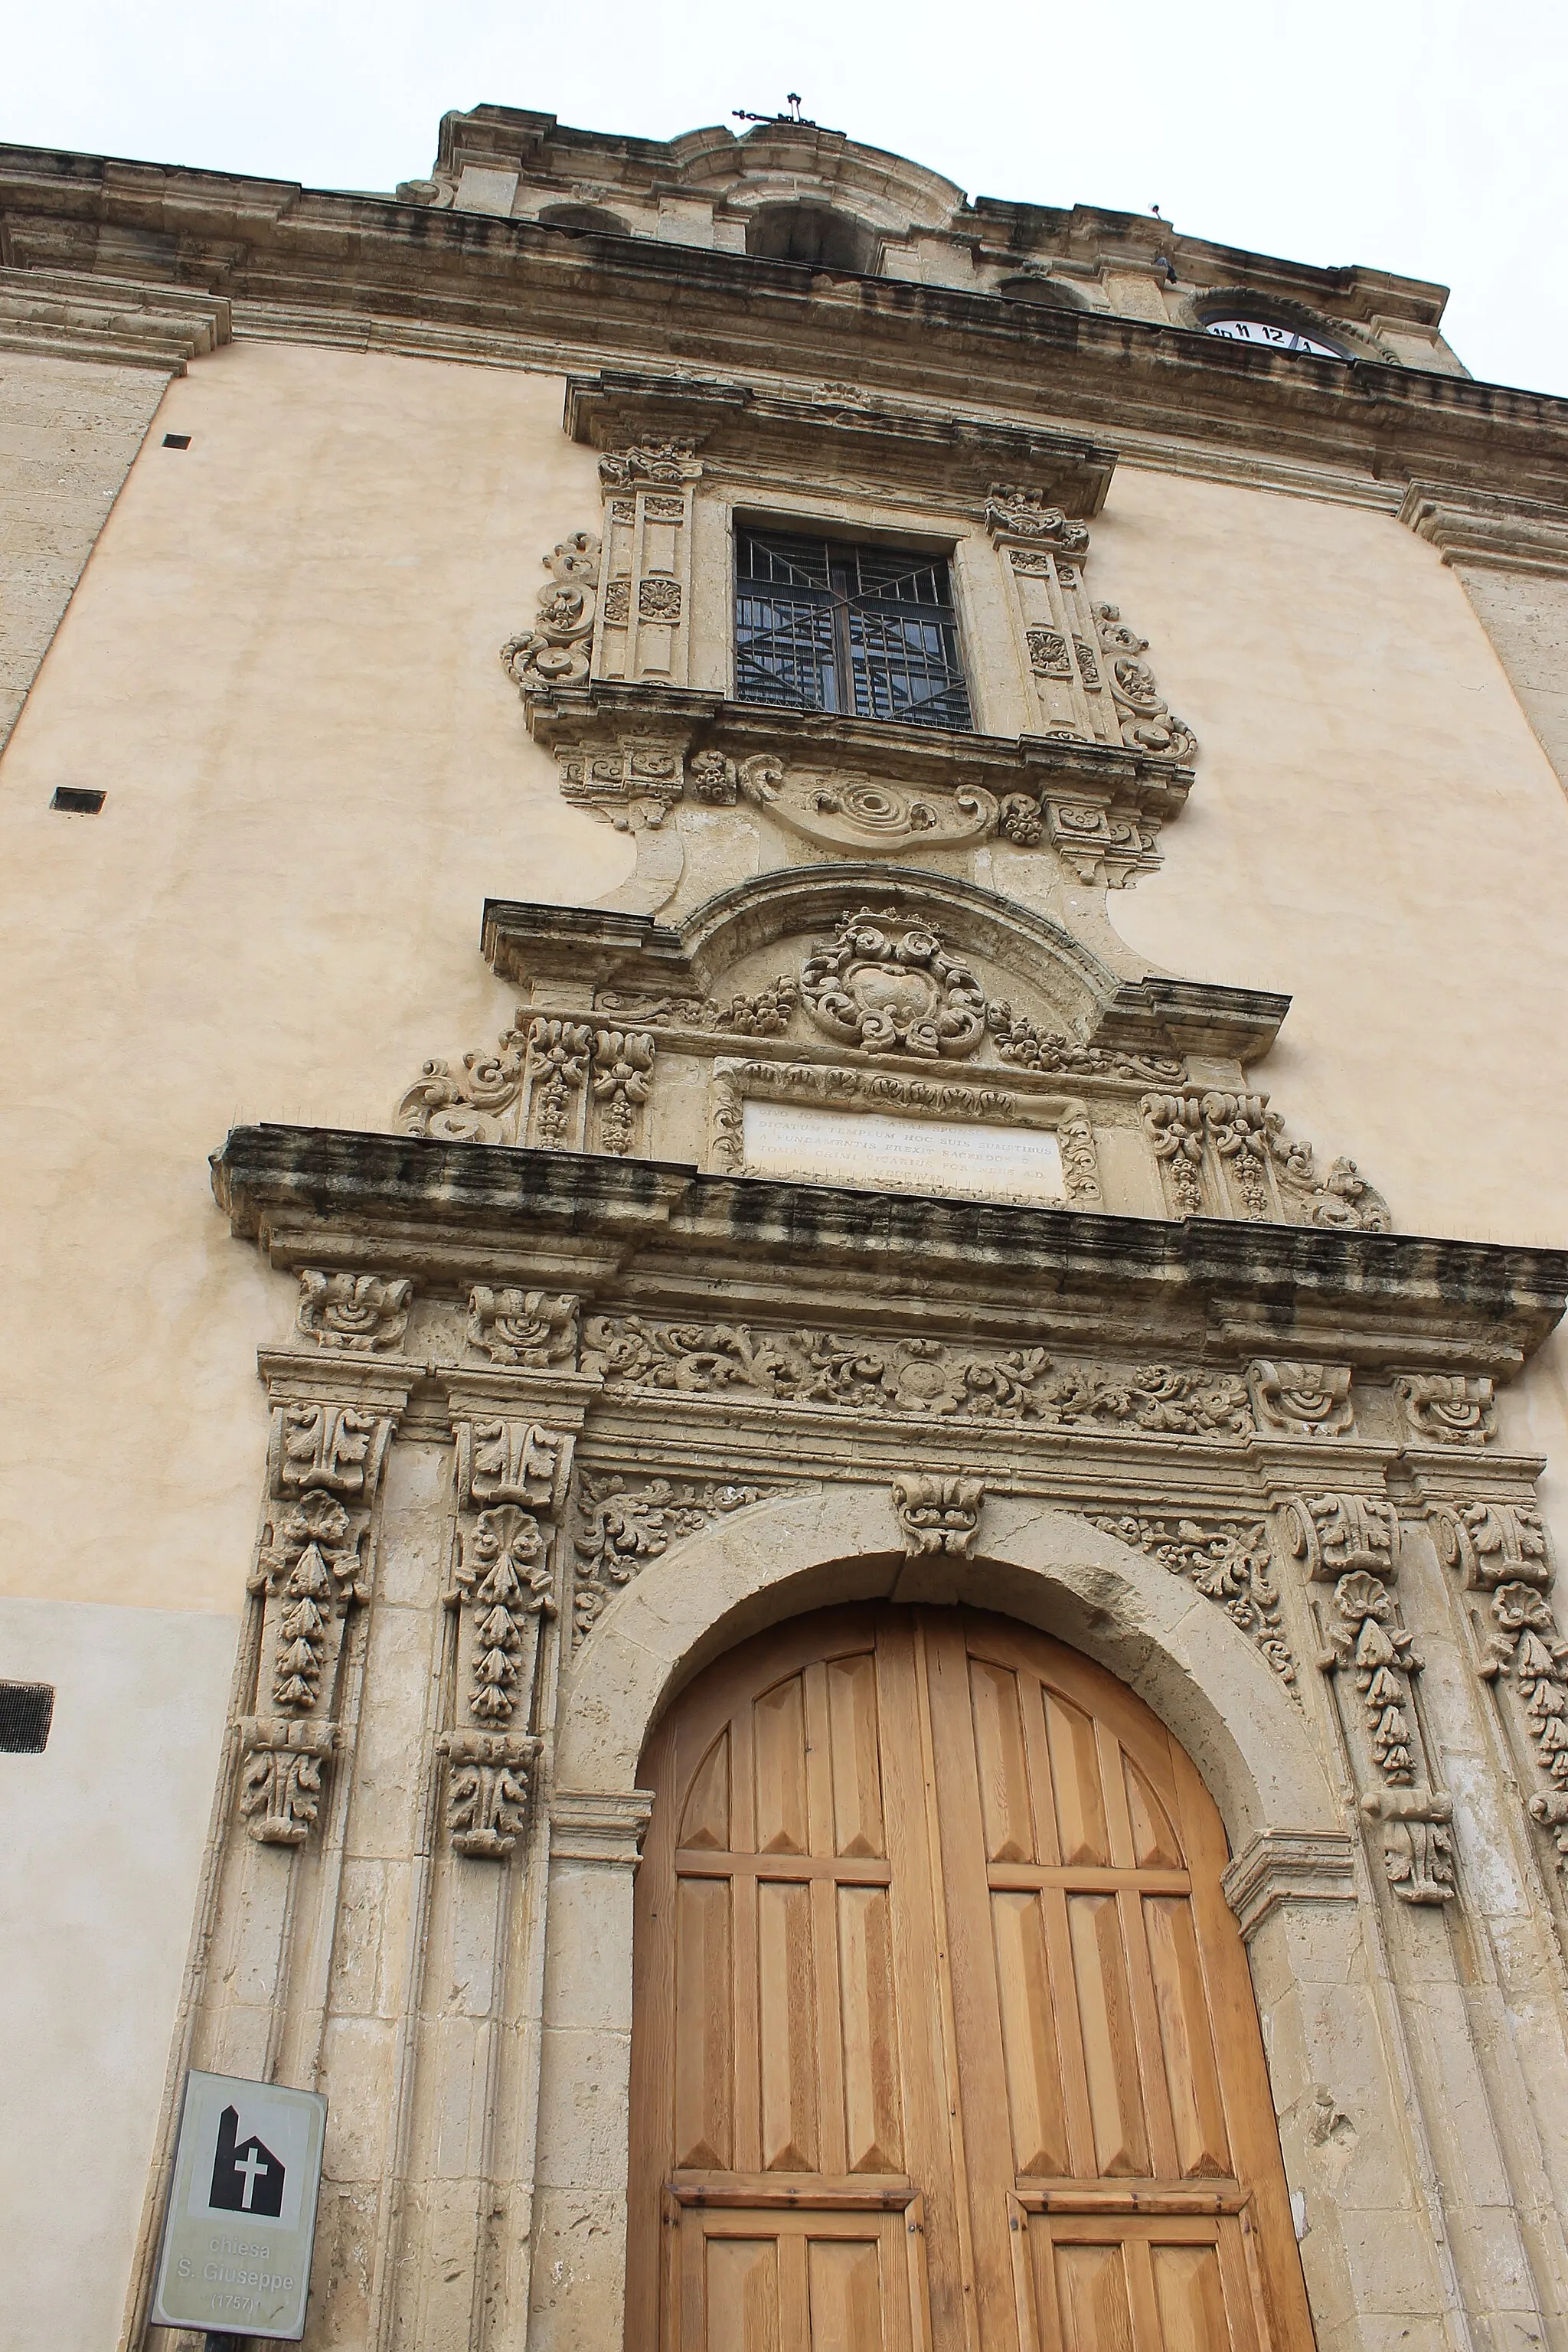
(817, 234)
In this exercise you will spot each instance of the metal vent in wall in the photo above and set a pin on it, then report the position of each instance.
(25, 1710)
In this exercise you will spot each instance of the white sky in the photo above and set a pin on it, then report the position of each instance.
(1429, 137)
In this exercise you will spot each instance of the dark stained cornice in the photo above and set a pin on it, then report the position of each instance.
(650, 1233)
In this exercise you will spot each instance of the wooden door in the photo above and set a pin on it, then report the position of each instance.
(943, 2037)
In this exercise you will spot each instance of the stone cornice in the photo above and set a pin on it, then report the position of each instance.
(64, 314)
(358, 269)
(1488, 530)
(667, 1234)
(758, 432)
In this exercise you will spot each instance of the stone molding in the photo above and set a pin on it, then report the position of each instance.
(604, 1825)
(67, 314)
(1489, 530)
(1285, 1867)
(754, 433)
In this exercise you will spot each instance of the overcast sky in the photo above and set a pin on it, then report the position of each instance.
(1429, 137)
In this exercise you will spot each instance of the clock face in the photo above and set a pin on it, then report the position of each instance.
(1279, 339)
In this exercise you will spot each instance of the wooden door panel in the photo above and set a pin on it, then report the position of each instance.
(1134, 2282)
(930, 1924)
(771, 2279)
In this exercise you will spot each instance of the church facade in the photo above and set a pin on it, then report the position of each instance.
(786, 1416)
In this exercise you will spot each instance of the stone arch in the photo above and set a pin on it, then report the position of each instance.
(794, 901)
(1177, 1649)
(822, 236)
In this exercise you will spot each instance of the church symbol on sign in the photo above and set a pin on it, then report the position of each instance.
(246, 2176)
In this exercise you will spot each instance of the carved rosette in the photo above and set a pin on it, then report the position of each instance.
(889, 985)
(938, 1515)
(524, 1330)
(312, 1567)
(510, 1479)
(1353, 1542)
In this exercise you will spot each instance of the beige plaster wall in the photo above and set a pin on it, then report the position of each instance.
(282, 667)
(68, 431)
(1525, 615)
(103, 1838)
(1376, 830)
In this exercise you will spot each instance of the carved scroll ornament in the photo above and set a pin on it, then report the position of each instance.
(937, 1514)
(557, 649)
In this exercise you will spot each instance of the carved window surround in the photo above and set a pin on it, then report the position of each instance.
(638, 604)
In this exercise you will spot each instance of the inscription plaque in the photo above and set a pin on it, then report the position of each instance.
(980, 1160)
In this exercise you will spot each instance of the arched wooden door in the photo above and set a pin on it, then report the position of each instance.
(944, 2036)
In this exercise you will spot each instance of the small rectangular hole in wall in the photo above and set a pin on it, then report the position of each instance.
(25, 1710)
(176, 440)
(77, 800)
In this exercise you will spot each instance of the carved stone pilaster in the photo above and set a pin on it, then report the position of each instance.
(938, 1515)
(511, 1473)
(1352, 1541)
(1173, 1124)
(1501, 1549)
(313, 1566)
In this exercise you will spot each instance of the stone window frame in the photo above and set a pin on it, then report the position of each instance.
(683, 460)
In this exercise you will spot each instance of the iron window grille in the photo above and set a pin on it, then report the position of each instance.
(821, 624)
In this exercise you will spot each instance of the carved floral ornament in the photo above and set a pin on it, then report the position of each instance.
(887, 985)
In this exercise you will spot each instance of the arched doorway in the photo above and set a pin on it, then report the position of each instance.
(944, 2036)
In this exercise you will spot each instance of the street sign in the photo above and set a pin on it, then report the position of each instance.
(242, 2210)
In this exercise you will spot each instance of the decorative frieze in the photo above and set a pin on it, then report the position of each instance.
(525, 1329)
(868, 1373)
(937, 1514)
(312, 1567)
(1448, 1408)
(358, 1313)
(1226, 1560)
(1301, 1400)
(1029, 1047)
(623, 1523)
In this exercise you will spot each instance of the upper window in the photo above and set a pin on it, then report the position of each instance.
(821, 624)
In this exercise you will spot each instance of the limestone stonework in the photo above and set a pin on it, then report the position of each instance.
(573, 1042)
